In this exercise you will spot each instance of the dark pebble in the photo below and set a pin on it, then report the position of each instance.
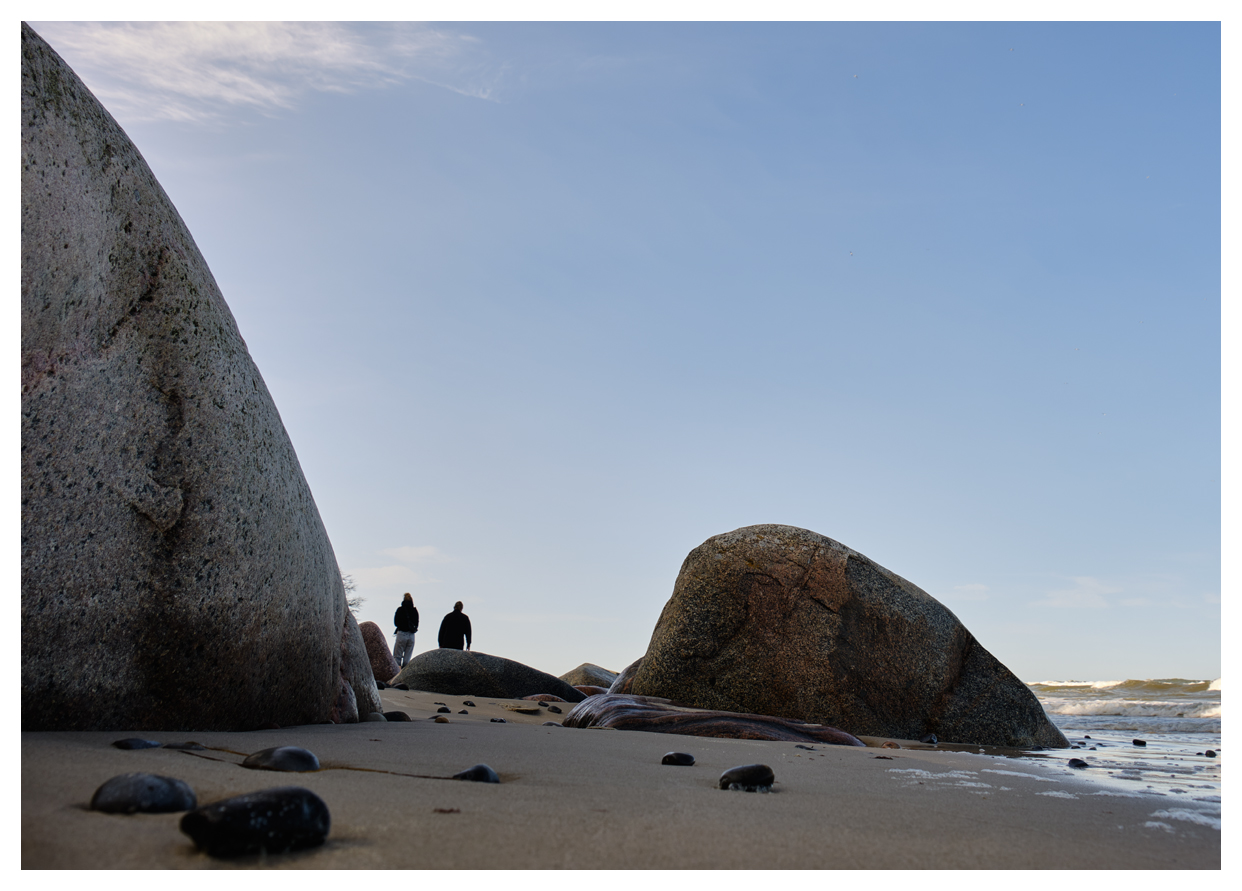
(400, 686)
(748, 778)
(499, 721)
(380, 685)
(468, 704)
(554, 710)
(463, 712)
(396, 716)
(1078, 762)
(439, 703)
(480, 773)
(1091, 749)
(1140, 742)
(135, 743)
(145, 792)
(1210, 753)
(808, 748)
(287, 818)
(680, 759)
(444, 709)
(1085, 736)
(550, 724)
(440, 719)
(1035, 749)
(930, 739)
(376, 716)
(185, 746)
(291, 758)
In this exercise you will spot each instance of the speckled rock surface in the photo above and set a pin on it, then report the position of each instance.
(175, 571)
(589, 674)
(782, 621)
(383, 666)
(466, 673)
(356, 669)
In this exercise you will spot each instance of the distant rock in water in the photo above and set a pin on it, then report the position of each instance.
(661, 716)
(589, 674)
(466, 672)
(383, 666)
(176, 574)
(147, 793)
(287, 818)
(782, 621)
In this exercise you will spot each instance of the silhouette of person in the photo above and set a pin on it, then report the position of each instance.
(455, 626)
(406, 620)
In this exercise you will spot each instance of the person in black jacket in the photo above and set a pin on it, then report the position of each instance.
(406, 620)
(455, 626)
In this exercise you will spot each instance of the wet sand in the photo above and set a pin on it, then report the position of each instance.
(601, 799)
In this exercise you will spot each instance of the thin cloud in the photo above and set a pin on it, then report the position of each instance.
(204, 72)
(1086, 593)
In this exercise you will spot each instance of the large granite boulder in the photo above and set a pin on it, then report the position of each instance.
(383, 666)
(467, 673)
(781, 621)
(589, 674)
(175, 571)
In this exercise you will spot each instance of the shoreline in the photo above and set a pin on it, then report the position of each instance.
(601, 799)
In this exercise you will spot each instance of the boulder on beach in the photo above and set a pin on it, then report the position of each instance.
(782, 621)
(625, 680)
(383, 666)
(465, 673)
(175, 570)
(356, 669)
(589, 674)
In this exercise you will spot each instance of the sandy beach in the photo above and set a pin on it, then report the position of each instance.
(601, 799)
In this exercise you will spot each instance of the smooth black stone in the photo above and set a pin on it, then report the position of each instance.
(135, 743)
(290, 758)
(185, 746)
(130, 793)
(401, 686)
(1078, 763)
(680, 759)
(554, 710)
(396, 716)
(445, 710)
(748, 778)
(1140, 742)
(439, 703)
(930, 739)
(808, 748)
(463, 712)
(287, 818)
(375, 716)
(499, 721)
(550, 724)
(1210, 753)
(380, 685)
(468, 704)
(1085, 736)
(480, 773)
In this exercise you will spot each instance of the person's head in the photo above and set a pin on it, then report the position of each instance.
(457, 607)
(407, 598)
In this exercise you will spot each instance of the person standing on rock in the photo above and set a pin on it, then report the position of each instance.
(406, 620)
(456, 625)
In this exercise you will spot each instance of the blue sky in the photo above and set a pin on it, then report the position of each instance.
(544, 306)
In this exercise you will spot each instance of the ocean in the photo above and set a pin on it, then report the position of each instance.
(1155, 737)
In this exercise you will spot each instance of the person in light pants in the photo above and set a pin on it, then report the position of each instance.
(406, 620)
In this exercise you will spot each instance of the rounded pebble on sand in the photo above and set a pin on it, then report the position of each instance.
(480, 773)
(469, 703)
(499, 721)
(444, 709)
(680, 759)
(748, 778)
(463, 712)
(131, 793)
(930, 739)
(288, 758)
(550, 724)
(135, 743)
(1210, 753)
(1078, 763)
(440, 719)
(554, 709)
(1140, 742)
(396, 716)
(890, 745)
(286, 818)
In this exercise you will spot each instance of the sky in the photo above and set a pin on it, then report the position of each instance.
(545, 306)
